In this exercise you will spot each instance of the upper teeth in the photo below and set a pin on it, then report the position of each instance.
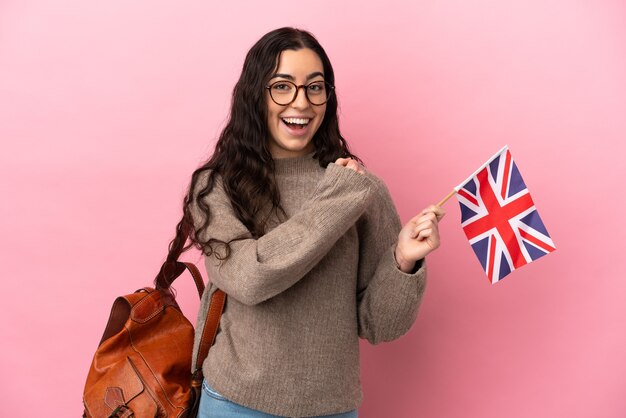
(299, 121)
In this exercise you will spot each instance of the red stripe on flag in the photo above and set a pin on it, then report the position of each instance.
(468, 196)
(505, 179)
(535, 241)
(492, 257)
(499, 218)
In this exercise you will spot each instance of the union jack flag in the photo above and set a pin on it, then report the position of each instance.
(500, 219)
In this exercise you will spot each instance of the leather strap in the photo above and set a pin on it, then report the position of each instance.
(216, 307)
(197, 277)
(170, 270)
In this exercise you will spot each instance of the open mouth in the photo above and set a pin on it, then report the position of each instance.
(296, 123)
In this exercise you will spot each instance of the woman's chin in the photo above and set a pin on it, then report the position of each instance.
(291, 148)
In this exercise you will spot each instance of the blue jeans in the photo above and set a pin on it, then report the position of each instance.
(214, 405)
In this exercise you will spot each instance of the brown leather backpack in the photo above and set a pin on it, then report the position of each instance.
(142, 367)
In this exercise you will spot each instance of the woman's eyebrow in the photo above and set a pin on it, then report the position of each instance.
(313, 75)
(290, 77)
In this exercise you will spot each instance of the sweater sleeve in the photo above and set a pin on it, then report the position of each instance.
(388, 298)
(258, 269)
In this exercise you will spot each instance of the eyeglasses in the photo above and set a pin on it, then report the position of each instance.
(285, 92)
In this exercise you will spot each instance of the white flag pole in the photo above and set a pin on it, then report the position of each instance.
(445, 199)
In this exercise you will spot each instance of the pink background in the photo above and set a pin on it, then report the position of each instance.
(107, 107)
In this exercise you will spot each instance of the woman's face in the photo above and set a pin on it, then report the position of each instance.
(292, 126)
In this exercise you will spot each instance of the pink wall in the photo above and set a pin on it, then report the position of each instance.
(107, 107)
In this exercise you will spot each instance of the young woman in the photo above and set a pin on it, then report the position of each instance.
(305, 242)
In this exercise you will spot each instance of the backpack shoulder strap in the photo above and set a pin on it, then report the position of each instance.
(170, 270)
(216, 307)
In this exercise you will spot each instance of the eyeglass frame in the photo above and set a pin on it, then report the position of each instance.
(331, 88)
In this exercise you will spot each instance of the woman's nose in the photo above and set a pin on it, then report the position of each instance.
(301, 100)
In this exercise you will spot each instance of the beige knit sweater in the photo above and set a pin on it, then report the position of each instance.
(300, 296)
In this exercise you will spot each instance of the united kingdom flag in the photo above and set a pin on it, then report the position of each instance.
(500, 219)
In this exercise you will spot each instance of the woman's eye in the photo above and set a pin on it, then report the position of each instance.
(282, 87)
(316, 88)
